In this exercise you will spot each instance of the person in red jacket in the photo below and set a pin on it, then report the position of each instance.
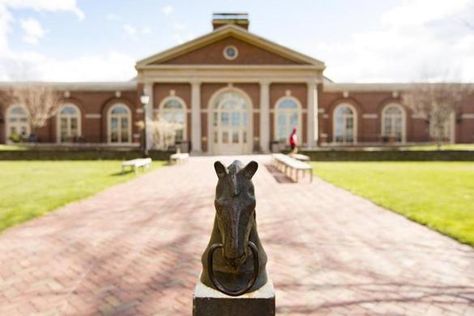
(293, 141)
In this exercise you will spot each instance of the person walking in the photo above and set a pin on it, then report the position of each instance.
(293, 141)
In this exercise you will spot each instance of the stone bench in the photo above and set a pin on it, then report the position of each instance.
(134, 164)
(179, 158)
(291, 167)
(299, 157)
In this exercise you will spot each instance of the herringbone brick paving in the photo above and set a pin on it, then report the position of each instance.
(135, 249)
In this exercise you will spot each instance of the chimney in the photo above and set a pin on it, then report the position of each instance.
(238, 19)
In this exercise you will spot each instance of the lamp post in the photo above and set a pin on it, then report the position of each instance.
(144, 99)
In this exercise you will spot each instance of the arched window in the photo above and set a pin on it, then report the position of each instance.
(345, 124)
(287, 117)
(119, 124)
(173, 110)
(17, 123)
(393, 123)
(69, 123)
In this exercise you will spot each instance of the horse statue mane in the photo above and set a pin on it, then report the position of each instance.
(234, 261)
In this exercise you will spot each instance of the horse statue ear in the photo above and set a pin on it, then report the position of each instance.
(250, 169)
(220, 169)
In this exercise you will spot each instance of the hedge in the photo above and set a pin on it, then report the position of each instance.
(83, 154)
(392, 155)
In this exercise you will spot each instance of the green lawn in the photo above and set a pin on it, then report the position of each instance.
(437, 194)
(31, 189)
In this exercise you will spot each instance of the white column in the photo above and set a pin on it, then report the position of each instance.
(196, 116)
(265, 116)
(312, 132)
(148, 89)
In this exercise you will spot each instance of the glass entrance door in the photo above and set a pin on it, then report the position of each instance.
(231, 125)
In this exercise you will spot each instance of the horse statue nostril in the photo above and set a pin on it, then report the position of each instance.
(237, 261)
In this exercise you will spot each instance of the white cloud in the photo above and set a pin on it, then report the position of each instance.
(44, 5)
(181, 33)
(111, 66)
(134, 31)
(129, 29)
(6, 18)
(33, 30)
(5, 26)
(419, 12)
(167, 9)
(414, 38)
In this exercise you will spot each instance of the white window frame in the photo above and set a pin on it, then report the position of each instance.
(78, 115)
(403, 117)
(226, 56)
(287, 112)
(8, 115)
(184, 110)
(355, 123)
(109, 124)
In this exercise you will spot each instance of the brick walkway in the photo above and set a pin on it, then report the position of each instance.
(135, 248)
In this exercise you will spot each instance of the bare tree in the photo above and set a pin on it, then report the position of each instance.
(436, 102)
(163, 132)
(41, 101)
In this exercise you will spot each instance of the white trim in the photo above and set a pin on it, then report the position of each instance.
(299, 108)
(78, 115)
(467, 116)
(129, 116)
(265, 116)
(226, 56)
(312, 124)
(228, 73)
(210, 127)
(183, 110)
(7, 121)
(370, 116)
(196, 139)
(93, 115)
(355, 122)
(404, 119)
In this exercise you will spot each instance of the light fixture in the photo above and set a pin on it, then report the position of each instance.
(144, 99)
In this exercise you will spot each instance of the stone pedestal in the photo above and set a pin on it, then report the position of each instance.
(210, 302)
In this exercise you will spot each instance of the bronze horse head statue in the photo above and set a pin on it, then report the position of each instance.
(234, 261)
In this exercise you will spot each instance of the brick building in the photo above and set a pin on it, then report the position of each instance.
(232, 92)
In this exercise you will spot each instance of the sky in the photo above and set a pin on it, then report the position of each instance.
(360, 41)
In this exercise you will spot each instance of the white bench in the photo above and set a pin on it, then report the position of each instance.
(291, 167)
(134, 164)
(179, 158)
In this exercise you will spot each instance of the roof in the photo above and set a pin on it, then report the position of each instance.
(223, 32)
(77, 86)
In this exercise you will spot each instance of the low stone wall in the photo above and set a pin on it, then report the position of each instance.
(389, 155)
(75, 154)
